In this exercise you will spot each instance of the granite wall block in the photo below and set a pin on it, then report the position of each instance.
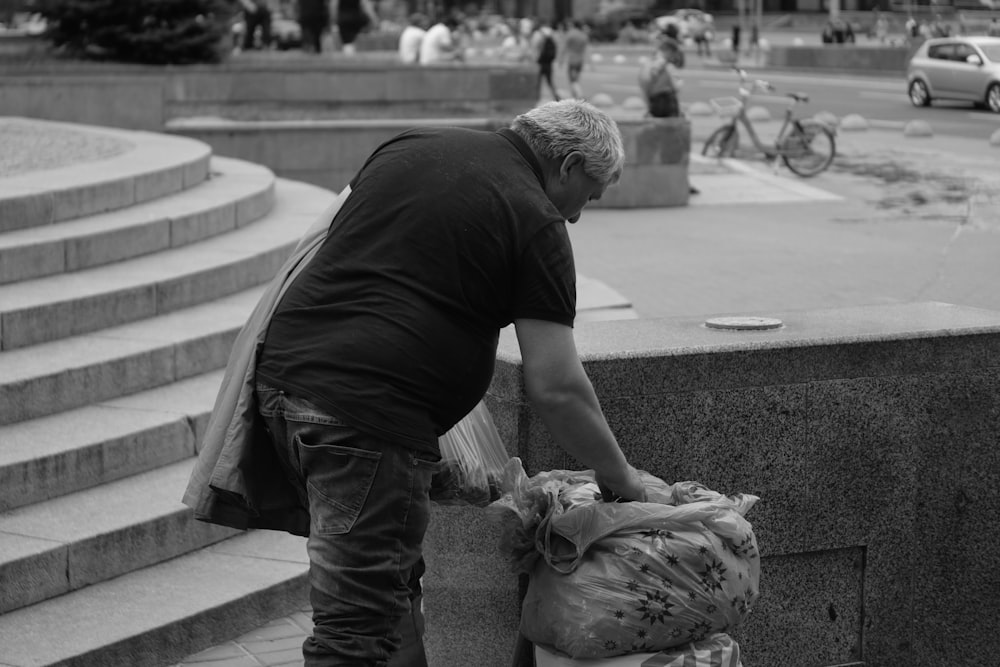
(870, 435)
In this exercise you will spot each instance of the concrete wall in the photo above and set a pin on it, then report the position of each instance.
(870, 435)
(657, 153)
(146, 98)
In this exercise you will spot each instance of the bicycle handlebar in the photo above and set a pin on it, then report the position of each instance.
(758, 84)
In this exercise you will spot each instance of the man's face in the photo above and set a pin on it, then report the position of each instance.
(572, 188)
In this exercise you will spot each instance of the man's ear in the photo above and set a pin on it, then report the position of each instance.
(574, 160)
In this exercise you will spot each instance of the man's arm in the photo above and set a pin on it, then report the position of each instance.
(561, 393)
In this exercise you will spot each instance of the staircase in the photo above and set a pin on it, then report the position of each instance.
(125, 273)
(128, 263)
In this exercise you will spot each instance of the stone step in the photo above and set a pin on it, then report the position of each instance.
(236, 194)
(82, 370)
(139, 166)
(54, 307)
(158, 615)
(63, 544)
(70, 451)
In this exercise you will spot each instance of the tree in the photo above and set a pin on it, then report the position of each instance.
(155, 32)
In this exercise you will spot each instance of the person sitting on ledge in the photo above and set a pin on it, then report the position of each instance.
(441, 43)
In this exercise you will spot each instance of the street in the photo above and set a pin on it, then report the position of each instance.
(879, 99)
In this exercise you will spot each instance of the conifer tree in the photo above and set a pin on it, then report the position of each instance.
(156, 32)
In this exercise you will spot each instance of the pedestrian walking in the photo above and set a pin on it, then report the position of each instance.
(753, 48)
(881, 27)
(256, 16)
(381, 333)
(658, 86)
(575, 53)
(546, 50)
(314, 21)
(353, 16)
(701, 33)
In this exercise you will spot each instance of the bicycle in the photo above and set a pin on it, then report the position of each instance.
(806, 146)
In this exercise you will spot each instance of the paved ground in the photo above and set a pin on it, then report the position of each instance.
(896, 219)
(917, 219)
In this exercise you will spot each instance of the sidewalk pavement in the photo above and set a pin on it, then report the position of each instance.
(895, 219)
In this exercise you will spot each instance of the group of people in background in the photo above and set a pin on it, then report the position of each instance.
(880, 28)
(423, 43)
(314, 18)
(549, 46)
(522, 40)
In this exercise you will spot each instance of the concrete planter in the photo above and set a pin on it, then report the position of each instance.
(657, 153)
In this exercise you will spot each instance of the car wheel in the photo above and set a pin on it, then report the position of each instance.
(919, 95)
(993, 97)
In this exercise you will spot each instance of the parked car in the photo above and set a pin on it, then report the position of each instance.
(607, 26)
(691, 23)
(956, 68)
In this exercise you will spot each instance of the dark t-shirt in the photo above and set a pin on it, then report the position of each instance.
(446, 237)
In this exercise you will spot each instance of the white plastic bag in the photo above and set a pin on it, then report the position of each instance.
(472, 461)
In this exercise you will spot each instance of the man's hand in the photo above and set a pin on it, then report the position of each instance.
(622, 489)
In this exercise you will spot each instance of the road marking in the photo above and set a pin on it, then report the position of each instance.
(873, 95)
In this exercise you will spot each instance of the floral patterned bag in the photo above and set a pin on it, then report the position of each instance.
(607, 579)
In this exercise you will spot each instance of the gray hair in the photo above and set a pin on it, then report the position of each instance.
(555, 129)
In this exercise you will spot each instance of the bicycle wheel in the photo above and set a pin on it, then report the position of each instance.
(723, 142)
(808, 148)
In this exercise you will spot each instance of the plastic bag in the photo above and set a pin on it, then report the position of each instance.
(607, 579)
(472, 462)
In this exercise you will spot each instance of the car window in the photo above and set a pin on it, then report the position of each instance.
(963, 51)
(941, 51)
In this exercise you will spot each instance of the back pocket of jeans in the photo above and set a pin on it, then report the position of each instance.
(339, 481)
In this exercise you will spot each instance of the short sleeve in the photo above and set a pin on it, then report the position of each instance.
(545, 287)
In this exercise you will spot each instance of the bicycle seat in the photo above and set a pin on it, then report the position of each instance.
(798, 97)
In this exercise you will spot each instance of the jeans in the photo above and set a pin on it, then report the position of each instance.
(664, 105)
(369, 507)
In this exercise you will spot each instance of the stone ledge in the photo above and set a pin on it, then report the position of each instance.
(868, 433)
